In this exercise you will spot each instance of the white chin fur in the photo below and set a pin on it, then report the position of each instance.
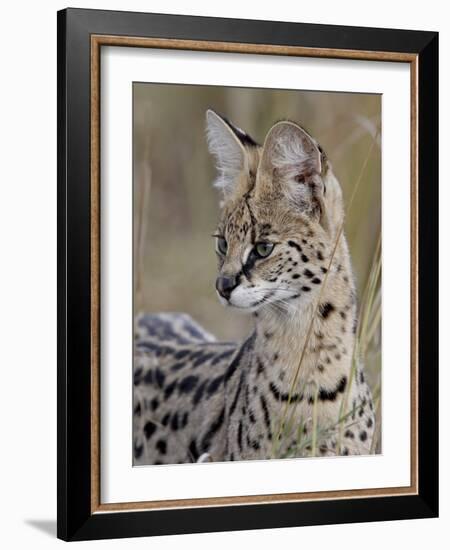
(243, 299)
(239, 301)
(246, 299)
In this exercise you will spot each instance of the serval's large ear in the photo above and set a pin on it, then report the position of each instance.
(228, 144)
(293, 165)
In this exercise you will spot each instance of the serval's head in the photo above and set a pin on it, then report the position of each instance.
(281, 212)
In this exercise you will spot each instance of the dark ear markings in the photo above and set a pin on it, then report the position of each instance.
(242, 136)
(324, 163)
(290, 153)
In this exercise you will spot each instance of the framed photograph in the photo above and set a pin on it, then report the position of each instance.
(247, 254)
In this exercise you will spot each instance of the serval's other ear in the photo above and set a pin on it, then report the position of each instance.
(228, 144)
(292, 165)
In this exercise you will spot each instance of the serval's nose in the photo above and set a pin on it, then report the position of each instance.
(226, 284)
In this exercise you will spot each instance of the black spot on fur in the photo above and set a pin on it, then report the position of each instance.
(266, 416)
(149, 429)
(293, 244)
(137, 376)
(239, 436)
(138, 450)
(342, 384)
(165, 419)
(161, 445)
(215, 384)
(308, 273)
(202, 359)
(187, 384)
(199, 392)
(192, 331)
(174, 422)
(349, 434)
(304, 258)
(222, 356)
(260, 366)
(236, 396)
(185, 419)
(279, 396)
(177, 366)
(306, 288)
(196, 355)
(160, 377)
(169, 389)
(330, 395)
(213, 429)
(316, 281)
(154, 404)
(363, 435)
(325, 309)
(296, 276)
(148, 378)
(180, 354)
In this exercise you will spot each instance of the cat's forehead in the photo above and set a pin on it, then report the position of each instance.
(246, 219)
(249, 219)
(238, 220)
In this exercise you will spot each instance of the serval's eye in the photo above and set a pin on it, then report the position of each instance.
(263, 249)
(221, 245)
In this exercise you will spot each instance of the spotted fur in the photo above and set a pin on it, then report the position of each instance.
(195, 397)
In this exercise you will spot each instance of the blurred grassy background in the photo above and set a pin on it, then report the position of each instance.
(176, 208)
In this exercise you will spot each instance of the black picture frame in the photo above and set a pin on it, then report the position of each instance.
(76, 521)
